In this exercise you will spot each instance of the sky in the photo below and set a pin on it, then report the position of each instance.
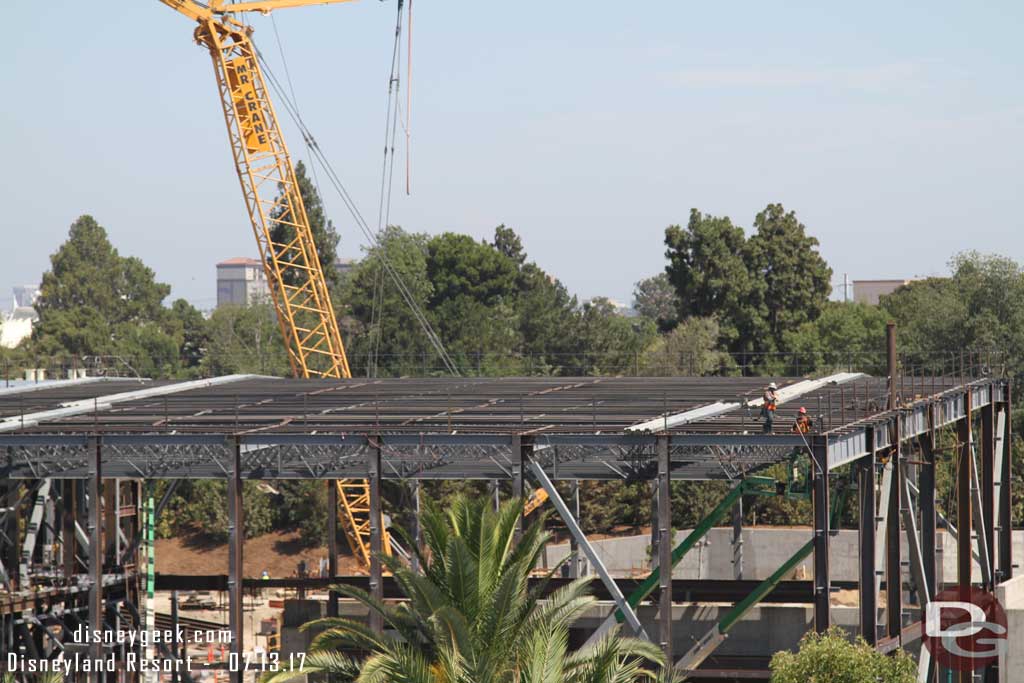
(895, 131)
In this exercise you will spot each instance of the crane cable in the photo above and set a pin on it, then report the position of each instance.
(291, 89)
(386, 184)
(339, 187)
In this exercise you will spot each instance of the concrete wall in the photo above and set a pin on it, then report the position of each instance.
(764, 550)
(1011, 663)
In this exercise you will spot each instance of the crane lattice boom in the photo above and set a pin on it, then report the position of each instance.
(287, 249)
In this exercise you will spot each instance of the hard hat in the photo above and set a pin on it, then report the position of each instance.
(803, 411)
(773, 385)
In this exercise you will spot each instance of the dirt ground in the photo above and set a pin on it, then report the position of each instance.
(278, 552)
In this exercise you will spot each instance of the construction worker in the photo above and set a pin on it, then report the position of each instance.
(770, 403)
(803, 423)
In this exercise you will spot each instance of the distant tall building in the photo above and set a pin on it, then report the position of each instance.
(241, 282)
(869, 291)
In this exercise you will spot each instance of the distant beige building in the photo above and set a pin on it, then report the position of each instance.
(241, 282)
(869, 291)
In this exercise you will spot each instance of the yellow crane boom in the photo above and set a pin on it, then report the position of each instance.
(298, 289)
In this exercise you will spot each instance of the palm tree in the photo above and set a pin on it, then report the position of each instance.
(471, 617)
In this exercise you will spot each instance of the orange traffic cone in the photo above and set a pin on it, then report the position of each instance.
(209, 654)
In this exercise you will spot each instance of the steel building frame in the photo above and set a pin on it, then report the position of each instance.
(74, 459)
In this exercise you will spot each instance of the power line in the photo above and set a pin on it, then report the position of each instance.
(339, 187)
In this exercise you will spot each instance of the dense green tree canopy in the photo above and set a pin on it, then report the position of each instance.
(790, 281)
(655, 299)
(95, 302)
(707, 268)
(979, 308)
(758, 287)
(845, 336)
(832, 657)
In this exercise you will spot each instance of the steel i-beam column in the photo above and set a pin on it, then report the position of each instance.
(11, 541)
(236, 536)
(417, 539)
(820, 504)
(926, 501)
(95, 526)
(665, 546)
(68, 508)
(520, 449)
(737, 540)
(376, 542)
(867, 500)
(1003, 502)
(332, 543)
(576, 563)
(893, 562)
(987, 479)
(110, 515)
(964, 529)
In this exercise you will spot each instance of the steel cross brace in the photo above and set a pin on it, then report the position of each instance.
(924, 591)
(588, 549)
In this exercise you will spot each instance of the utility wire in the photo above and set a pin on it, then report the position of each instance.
(339, 187)
(386, 183)
(291, 88)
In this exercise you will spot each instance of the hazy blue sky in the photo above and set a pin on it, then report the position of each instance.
(893, 129)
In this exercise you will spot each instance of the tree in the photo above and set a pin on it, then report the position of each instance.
(195, 336)
(845, 336)
(95, 302)
(200, 505)
(789, 280)
(471, 615)
(689, 349)
(831, 657)
(324, 235)
(655, 299)
(607, 342)
(707, 268)
(979, 308)
(245, 339)
(380, 329)
(509, 244)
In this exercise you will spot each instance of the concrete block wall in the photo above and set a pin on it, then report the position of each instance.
(765, 549)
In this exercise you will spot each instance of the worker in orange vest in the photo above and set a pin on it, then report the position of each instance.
(803, 423)
(770, 403)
